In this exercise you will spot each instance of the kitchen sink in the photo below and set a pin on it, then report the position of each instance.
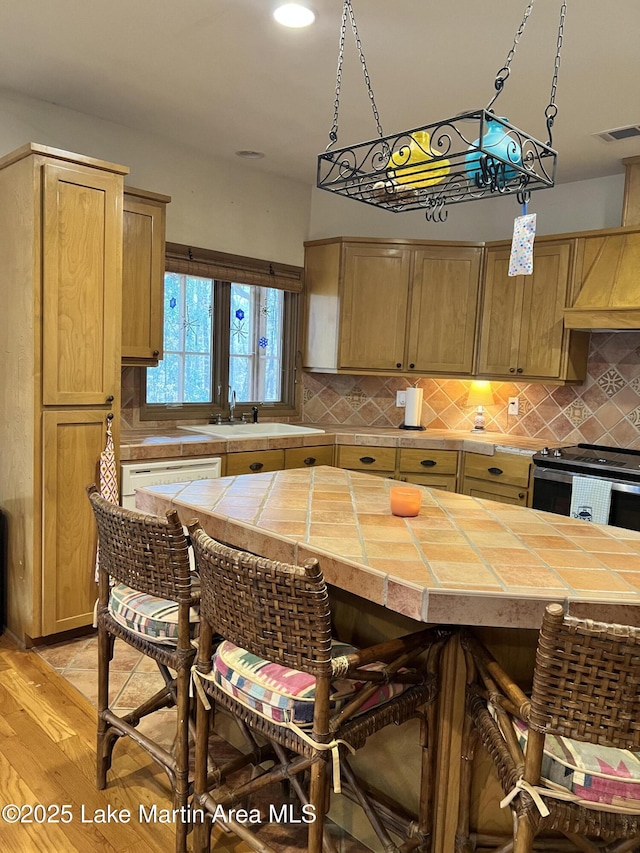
(240, 430)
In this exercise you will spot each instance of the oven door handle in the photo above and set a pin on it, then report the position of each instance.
(564, 477)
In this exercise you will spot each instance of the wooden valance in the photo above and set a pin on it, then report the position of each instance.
(206, 263)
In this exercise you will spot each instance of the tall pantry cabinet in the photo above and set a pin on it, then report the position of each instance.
(60, 333)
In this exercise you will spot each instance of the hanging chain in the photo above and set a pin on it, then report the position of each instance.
(333, 134)
(503, 73)
(552, 111)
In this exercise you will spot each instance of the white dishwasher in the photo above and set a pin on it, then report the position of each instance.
(138, 475)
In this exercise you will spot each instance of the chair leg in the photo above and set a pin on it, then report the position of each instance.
(202, 828)
(317, 798)
(104, 744)
(469, 740)
(181, 795)
(525, 834)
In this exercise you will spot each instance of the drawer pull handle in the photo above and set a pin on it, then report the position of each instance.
(367, 460)
(495, 471)
(310, 460)
(256, 466)
(428, 463)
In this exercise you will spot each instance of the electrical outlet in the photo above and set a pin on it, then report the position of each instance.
(514, 406)
(401, 399)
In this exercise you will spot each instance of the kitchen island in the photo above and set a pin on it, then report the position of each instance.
(461, 561)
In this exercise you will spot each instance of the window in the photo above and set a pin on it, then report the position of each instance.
(223, 335)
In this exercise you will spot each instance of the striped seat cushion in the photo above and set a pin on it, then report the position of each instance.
(597, 776)
(155, 619)
(282, 694)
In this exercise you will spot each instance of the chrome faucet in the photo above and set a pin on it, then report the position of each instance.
(232, 405)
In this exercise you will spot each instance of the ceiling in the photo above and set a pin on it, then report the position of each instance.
(221, 75)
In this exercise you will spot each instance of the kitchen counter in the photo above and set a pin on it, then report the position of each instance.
(171, 443)
(462, 560)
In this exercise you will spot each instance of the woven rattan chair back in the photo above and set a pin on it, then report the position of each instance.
(145, 552)
(274, 610)
(586, 683)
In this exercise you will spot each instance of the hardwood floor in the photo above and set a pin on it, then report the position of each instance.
(47, 757)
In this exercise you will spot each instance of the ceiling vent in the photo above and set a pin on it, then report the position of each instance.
(619, 133)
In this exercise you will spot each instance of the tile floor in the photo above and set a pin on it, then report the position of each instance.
(134, 677)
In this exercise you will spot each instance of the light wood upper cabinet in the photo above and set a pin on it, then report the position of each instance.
(443, 308)
(522, 330)
(373, 309)
(81, 260)
(391, 306)
(143, 250)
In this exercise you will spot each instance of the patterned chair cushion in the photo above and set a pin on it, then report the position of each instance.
(282, 694)
(598, 776)
(155, 619)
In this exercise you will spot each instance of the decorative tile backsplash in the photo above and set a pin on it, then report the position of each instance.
(605, 409)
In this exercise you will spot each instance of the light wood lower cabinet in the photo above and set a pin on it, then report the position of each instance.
(436, 469)
(308, 457)
(72, 443)
(503, 477)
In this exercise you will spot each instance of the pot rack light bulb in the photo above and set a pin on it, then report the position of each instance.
(294, 15)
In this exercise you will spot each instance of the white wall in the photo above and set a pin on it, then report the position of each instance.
(579, 206)
(226, 206)
(231, 207)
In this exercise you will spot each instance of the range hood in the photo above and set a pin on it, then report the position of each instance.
(609, 296)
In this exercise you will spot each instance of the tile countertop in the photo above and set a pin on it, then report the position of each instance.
(171, 443)
(462, 560)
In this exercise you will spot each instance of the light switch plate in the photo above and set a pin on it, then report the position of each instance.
(401, 399)
(514, 406)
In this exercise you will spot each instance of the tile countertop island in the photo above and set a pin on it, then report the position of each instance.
(462, 560)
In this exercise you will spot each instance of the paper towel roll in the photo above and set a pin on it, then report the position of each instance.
(413, 407)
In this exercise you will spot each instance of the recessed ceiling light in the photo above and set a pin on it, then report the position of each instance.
(294, 15)
(249, 155)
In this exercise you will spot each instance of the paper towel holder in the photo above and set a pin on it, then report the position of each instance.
(406, 426)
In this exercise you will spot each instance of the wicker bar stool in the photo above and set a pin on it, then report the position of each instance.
(303, 701)
(147, 599)
(568, 757)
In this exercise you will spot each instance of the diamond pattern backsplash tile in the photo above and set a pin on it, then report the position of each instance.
(605, 409)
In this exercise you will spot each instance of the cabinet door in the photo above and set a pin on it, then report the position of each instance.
(82, 273)
(373, 310)
(254, 462)
(142, 279)
(72, 443)
(308, 457)
(501, 313)
(443, 305)
(545, 297)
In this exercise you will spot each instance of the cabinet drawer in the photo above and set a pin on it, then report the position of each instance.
(428, 461)
(308, 457)
(254, 462)
(501, 492)
(501, 468)
(444, 482)
(365, 458)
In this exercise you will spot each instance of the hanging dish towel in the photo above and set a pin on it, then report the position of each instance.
(108, 478)
(591, 499)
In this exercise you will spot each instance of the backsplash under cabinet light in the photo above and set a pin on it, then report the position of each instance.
(605, 409)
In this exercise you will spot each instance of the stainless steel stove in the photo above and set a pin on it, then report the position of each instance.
(555, 469)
